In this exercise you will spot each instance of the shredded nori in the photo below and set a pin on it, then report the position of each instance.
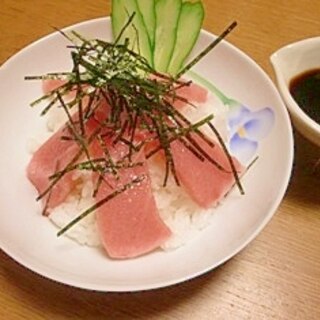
(140, 100)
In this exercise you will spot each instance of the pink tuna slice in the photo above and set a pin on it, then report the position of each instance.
(193, 93)
(203, 181)
(51, 157)
(54, 155)
(51, 84)
(129, 224)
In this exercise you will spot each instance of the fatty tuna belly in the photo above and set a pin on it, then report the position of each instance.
(129, 224)
(52, 156)
(205, 183)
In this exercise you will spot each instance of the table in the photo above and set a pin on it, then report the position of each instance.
(276, 277)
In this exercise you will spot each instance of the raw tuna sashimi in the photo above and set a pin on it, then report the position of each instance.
(192, 93)
(52, 84)
(54, 155)
(129, 224)
(51, 157)
(205, 183)
(49, 85)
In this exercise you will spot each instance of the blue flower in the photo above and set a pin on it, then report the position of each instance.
(247, 128)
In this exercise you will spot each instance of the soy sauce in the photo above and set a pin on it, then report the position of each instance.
(305, 89)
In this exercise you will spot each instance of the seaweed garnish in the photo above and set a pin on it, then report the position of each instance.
(140, 101)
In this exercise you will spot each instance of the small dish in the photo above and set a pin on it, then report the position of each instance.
(289, 62)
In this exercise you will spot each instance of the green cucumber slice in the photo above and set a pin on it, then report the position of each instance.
(167, 17)
(189, 26)
(147, 9)
(136, 32)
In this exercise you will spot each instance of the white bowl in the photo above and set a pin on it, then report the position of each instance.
(288, 62)
(30, 239)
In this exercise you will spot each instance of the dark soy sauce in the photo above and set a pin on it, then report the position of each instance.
(305, 89)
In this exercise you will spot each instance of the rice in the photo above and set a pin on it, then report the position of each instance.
(85, 232)
(183, 216)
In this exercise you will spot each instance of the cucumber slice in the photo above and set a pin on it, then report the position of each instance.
(167, 17)
(136, 32)
(189, 26)
(147, 9)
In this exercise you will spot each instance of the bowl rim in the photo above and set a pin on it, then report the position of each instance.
(301, 119)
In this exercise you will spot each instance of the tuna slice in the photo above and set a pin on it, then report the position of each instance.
(50, 85)
(192, 93)
(129, 224)
(54, 155)
(51, 157)
(205, 183)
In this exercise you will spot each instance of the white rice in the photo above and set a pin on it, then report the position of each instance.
(184, 217)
